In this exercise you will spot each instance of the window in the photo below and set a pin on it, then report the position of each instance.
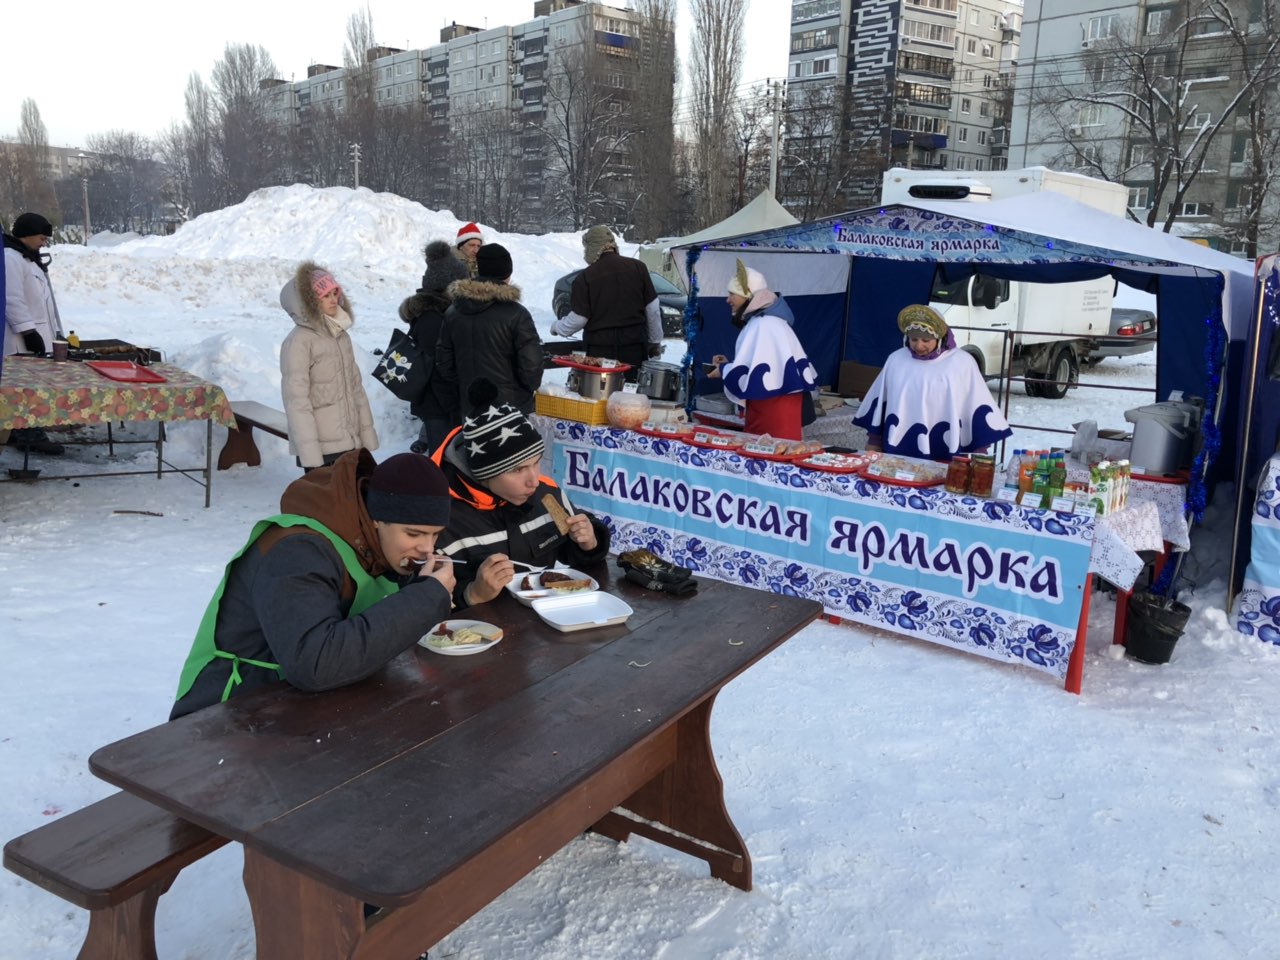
(1096, 71)
(1157, 21)
(1090, 115)
(1241, 148)
(1087, 156)
(974, 16)
(984, 109)
(980, 163)
(1201, 119)
(964, 104)
(918, 30)
(982, 137)
(968, 76)
(988, 51)
(1139, 153)
(1139, 197)
(988, 80)
(963, 135)
(1100, 28)
(971, 45)
(1238, 195)
(822, 66)
(1195, 208)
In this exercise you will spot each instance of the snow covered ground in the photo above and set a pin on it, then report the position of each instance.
(900, 800)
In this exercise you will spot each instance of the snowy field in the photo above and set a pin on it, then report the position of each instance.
(899, 800)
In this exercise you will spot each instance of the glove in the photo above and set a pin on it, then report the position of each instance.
(653, 573)
(678, 588)
(33, 341)
(655, 351)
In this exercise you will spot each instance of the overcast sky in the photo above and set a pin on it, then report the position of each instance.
(92, 66)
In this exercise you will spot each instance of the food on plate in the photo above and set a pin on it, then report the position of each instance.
(925, 471)
(442, 636)
(562, 582)
(558, 513)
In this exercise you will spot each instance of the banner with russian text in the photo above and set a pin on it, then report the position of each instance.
(990, 578)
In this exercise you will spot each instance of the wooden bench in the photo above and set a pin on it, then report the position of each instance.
(240, 447)
(114, 858)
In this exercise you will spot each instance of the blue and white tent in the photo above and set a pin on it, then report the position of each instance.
(846, 278)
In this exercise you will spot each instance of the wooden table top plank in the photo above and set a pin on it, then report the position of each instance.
(278, 748)
(435, 807)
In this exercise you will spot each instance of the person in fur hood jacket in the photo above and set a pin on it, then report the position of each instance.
(489, 334)
(324, 399)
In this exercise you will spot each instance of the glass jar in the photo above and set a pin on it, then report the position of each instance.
(982, 475)
(958, 475)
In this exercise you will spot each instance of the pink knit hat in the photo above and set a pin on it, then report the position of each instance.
(322, 282)
(469, 232)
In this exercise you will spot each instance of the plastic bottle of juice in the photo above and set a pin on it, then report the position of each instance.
(1057, 475)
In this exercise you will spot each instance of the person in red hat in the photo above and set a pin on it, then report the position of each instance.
(468, 244)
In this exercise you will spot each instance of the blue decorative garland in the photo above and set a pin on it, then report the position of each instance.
(692, 326)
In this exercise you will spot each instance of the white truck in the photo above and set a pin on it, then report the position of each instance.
(1054, 326)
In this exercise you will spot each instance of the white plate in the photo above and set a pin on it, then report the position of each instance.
(515, 587)
(582, 611)
(488, 629)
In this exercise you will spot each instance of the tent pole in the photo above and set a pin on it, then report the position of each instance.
(1259, 289)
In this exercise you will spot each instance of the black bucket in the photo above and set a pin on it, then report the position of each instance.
(1154, 627)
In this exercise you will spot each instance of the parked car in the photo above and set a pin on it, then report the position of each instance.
(671, 301)
(1132, 332)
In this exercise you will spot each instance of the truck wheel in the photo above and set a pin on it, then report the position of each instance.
(1063, 373)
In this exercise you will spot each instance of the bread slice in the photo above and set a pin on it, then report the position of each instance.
(563, 583)
(557, 512)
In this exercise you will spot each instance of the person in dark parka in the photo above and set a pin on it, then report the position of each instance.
(424, 312)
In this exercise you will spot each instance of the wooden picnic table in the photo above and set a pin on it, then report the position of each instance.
(438, 783)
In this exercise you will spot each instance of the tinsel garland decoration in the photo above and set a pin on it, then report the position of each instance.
(692, 326)
(1197, 491)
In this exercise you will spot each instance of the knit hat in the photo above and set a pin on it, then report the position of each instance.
(922, 320)
(496, 437)
(408, 488)
(442, 267)
(493, 262)
(746, 282)
(322, 282)
(31, 225)
(468, 232)
(596, 241)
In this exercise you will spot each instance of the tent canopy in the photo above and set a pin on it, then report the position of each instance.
(762, 213)
(846, 277)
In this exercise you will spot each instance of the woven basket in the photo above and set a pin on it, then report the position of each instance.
(593, 412)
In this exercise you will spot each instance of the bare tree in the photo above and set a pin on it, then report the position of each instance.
(655, 212)
(26, 164)
(587, 138)
(716, 58)
(361, 116)
(1148, 102)
(125, 181)
(252, 149)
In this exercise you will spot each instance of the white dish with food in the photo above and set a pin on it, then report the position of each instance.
(554, 582)
(461, 638)
(582, 611)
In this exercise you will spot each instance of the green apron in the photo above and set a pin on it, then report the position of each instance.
(369, 590)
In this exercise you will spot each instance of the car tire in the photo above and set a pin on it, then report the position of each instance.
(1062, 375)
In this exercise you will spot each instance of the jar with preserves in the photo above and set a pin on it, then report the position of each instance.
(958, 475)
(982, 475)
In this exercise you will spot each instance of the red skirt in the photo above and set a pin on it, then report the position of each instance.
(777, 416)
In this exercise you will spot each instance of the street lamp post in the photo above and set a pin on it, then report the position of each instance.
(84, 194)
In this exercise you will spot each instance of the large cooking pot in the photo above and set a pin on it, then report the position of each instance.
(594, 384)
(661, 381)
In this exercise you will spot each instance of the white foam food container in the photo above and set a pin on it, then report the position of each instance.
(582, 611)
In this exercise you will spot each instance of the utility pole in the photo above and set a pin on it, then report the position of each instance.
(774, 148)
(355, 164)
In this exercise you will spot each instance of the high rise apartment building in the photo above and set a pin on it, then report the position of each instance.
(912, 83)
(501, 76)
(1079, 105)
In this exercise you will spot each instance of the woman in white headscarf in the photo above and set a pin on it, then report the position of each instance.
(770, 373)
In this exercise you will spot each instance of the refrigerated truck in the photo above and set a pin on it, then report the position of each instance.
(1054, 326)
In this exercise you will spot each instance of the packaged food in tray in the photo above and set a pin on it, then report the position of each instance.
(906, 471)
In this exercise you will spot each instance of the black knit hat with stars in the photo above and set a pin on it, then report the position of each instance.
(496, 437)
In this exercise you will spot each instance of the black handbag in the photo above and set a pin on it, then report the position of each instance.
(405, 368)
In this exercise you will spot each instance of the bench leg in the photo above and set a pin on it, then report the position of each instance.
(126, 931)
(239, 448)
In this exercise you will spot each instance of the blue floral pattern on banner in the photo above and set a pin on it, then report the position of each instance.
(985, 629)
(1257, 608)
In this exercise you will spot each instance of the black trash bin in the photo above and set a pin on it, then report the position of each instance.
(1154, 626)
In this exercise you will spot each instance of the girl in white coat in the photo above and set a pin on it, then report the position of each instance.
(324, 399)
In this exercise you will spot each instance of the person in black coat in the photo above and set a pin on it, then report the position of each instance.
(424, 312)
(488, 334)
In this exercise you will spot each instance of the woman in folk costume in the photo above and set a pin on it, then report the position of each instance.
(930, 400)
(324, 399)
(770, 372)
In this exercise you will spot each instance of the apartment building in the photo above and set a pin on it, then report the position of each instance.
(912, 83)
(1079, 106)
